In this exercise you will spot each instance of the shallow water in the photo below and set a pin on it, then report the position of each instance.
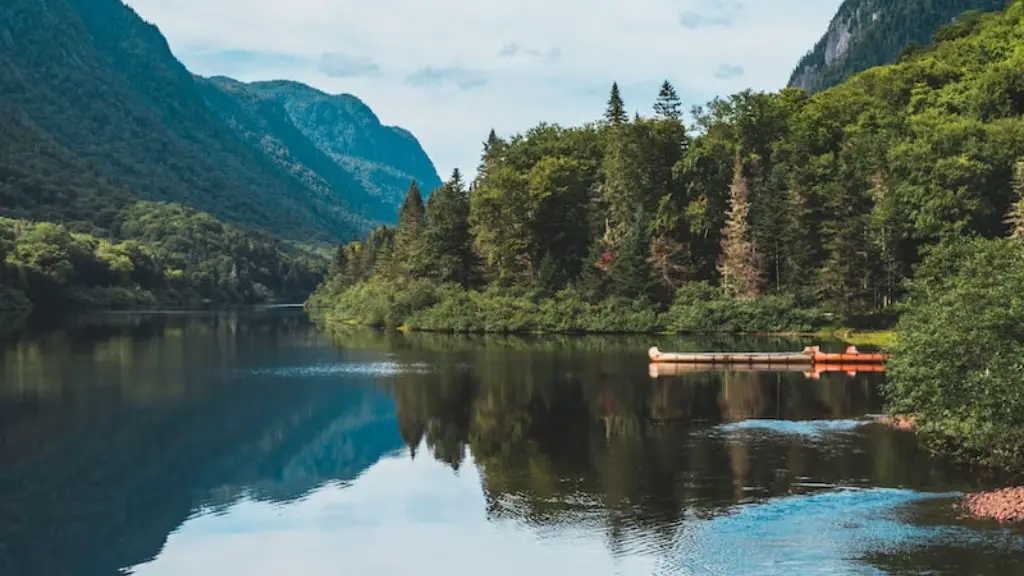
(252, 443)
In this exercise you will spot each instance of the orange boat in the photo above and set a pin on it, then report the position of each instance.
(851, 356)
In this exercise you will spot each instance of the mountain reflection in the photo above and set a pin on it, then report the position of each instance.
(114, 430)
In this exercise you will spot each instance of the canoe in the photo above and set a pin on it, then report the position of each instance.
(668, 369)
(810, 355)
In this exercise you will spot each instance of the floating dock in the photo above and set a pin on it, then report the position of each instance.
(811, 370)
(810, 356)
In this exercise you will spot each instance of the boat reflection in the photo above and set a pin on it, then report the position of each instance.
(814, 372)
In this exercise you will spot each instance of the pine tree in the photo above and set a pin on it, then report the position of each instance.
(616, 112)
(1016, 216)
(738, 265)
(410, 230)
(631, 273)
(447, 252)
(493, 149)
(668, 105)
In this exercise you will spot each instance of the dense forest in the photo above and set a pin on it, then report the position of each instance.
(867, 33)
(771, 211)
(164, 255)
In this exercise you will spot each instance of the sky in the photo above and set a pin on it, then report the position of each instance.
(451, 70)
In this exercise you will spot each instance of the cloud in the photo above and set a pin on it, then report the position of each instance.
(693, 20)
(637, 43)
(431, 77)
(340, 65)
(728, 71)
(514, 50)
(510, 50)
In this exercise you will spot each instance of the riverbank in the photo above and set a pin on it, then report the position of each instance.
(429, 307)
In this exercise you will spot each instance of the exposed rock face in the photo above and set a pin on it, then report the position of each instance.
(868, 33)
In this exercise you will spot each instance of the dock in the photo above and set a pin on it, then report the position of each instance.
(808, 357)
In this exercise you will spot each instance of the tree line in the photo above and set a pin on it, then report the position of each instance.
(829, 201)
(162, 255)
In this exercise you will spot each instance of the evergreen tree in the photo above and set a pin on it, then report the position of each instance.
(1016, 217)
(593, 280)
(493, 148)
(447, 253)
(738, 266)
(549, 277)
(616, 112)
(631, 273)
(668, 105)
(408, 235)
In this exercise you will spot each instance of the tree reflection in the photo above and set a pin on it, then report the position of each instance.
(572, 432)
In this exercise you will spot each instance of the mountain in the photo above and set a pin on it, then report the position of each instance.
(93, 81)
(868, 33)
(383, 158)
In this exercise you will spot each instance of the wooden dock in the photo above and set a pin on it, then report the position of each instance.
(811, 370)
(810, 355)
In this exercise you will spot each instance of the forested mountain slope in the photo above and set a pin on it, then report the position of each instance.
(94, 79)
(867, 33)
(383, 158)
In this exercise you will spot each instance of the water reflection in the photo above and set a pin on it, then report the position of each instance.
(115, 429)
(252, 443)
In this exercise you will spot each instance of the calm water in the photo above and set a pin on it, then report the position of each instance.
(251, 443)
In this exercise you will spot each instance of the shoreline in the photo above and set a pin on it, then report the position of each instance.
(876, 338)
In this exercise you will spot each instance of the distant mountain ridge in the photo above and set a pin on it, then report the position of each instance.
(868, 33)
(93, 80)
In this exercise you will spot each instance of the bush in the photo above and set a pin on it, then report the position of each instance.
(958, 365)
(699, 307)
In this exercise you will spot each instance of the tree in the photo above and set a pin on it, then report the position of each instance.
(447, 253)
(409, 230)
(738, 265)
(616, 111)
(500, 219)
(493, 148)
(1016, 216)
(631, 274)
(668, 105)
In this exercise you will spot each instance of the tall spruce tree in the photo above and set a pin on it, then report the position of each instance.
(615, 114)
(408, 235)
(668, 105)
(738, 266)
(447, 253)
(631, 273)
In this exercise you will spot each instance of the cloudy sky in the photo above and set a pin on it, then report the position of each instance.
(450, 70)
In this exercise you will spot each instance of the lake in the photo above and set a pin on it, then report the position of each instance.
(251, 442)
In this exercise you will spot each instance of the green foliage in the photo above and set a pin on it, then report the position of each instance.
(794, 208)
(447, 252)
(616, 111)
(958, 365)
(409, 233)
(699, 307)
(884, 31)
(167, 255)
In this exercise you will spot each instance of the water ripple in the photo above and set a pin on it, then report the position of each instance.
(339, 369)
(808, 428)
(822, 533)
